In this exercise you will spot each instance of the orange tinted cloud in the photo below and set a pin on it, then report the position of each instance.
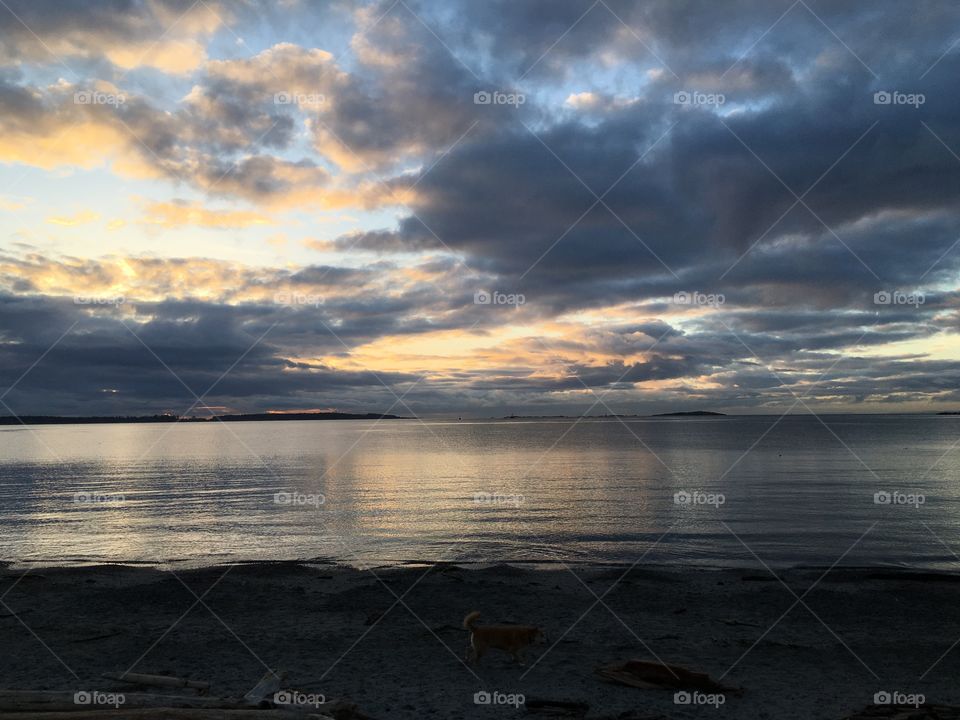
(177, 214)
(81, 218)
(161, 35)
(170, 56)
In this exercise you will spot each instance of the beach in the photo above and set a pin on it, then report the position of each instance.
(390, 639)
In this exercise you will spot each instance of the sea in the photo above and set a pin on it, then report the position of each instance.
(759, 491)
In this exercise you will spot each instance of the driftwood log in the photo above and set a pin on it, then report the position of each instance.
(157, 680)
(645, 674)
(52, 705)
(54, 701)
(167, 713)
(901, 712)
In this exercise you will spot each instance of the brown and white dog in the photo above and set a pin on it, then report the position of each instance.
(513, 639)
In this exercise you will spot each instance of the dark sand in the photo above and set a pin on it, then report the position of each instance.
(315, 622)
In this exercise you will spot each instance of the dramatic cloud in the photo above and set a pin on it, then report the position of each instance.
(168, 35)
(666, 204)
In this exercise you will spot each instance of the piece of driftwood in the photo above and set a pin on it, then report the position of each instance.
(654, 675)
(53, 701)
(96, 637)
(158, 680)
(48, 705)
(739, 623)
(344, 710)
(907, 712)
(269, 685)
(168, 713)
(15, 614)
(557, 708)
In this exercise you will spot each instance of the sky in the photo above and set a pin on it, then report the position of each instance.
(451, 207)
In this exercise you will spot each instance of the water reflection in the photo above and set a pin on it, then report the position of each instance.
(490, 491)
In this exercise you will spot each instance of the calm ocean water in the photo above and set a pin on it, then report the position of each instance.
(726, 491)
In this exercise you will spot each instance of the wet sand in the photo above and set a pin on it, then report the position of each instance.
(343, 633)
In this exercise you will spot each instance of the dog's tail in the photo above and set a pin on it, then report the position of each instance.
(471, 620)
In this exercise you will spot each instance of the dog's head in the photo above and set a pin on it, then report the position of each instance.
(539, 637)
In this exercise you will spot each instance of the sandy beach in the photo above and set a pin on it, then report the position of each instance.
(343, 633)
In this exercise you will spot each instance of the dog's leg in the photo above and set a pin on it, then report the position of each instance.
(473, 650)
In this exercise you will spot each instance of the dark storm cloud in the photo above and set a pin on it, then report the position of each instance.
(114, 361)
(878, 197)
(689, 35)
(109, 361)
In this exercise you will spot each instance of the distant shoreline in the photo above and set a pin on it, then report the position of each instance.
(692, 413)
(688, 413)
(253, 417)
(271, 417)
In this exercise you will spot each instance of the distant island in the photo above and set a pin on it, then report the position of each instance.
(563, 417)
(691, 413)
(167, 418)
